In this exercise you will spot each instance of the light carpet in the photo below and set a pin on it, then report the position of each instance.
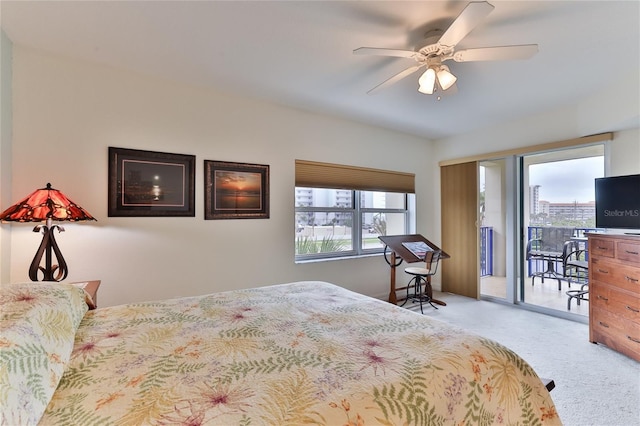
(595, 386)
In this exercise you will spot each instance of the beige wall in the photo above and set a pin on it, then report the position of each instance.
(5, 150)
(65, 115)
(624, 153)
(612, 109)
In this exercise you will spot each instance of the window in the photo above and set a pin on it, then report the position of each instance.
(339, 222)
(341, 210)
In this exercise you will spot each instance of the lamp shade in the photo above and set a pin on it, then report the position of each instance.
(46, 204)
(43, 204)
(445, 78)
(427, 81)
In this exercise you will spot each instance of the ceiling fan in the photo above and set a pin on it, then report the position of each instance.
(440, 47)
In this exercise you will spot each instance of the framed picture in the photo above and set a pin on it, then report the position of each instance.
(236, 190)
(149, 183)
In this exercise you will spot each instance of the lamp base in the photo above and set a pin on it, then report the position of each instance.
(47, 246)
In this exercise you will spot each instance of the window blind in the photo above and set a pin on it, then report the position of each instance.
(313, 174)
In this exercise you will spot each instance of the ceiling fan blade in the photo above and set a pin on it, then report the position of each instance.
(468, 19)
(498, 53)
(402, 74)
(384, 52)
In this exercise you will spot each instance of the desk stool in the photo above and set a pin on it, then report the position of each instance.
(421, 278)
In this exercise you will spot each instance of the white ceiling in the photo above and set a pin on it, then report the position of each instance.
(299, 53)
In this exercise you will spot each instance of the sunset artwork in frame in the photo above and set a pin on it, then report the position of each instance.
(236, 190)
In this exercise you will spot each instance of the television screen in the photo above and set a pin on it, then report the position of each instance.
(618, 202)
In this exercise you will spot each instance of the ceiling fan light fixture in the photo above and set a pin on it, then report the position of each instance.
(441, 46)
(427, 81)
(445, 78)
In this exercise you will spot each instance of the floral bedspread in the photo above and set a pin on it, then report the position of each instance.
(290, 354)
(38, 323)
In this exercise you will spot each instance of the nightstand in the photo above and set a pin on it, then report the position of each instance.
(91, 287)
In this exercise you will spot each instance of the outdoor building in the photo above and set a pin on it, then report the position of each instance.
(534, 199)
(546, 213)
(573, 211)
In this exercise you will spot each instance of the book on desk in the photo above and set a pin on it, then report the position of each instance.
(418, 248)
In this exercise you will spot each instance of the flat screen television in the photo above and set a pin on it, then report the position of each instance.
(618, 202)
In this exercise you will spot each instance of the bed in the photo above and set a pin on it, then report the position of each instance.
(290, 354)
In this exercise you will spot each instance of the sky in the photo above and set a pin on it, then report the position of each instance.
(567, 181)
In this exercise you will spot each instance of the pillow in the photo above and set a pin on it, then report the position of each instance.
(38, 322)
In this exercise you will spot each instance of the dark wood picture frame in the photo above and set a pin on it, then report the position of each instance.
(149, 183)
(235, 190)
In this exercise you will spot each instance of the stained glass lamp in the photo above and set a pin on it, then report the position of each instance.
(46, 205)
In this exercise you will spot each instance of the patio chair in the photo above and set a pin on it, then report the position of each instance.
(548, 247)
(576, 270)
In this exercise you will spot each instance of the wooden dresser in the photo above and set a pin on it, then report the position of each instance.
(614, 292)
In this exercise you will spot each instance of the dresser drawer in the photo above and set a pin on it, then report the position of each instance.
(601, 247)
(614, 292)
(623, 276)
(616, 332)
(621, 303)
(628, 252)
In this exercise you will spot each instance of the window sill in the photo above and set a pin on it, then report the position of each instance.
(331, 259)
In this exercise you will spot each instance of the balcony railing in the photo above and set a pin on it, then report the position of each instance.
(486, 250)
(537, 266)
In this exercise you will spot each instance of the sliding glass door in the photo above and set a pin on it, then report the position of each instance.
(557, 208)
(493, 229)
(498, 229)
(522, 199)
(494, 210)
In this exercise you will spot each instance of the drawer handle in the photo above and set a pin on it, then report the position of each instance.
(603, 298)
(603, 271)
(604, 325)
(633, 339)
(633, 280)
(635, 253)
(603, 248)
(633, 309)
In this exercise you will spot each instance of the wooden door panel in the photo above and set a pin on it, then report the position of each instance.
(459, 213)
